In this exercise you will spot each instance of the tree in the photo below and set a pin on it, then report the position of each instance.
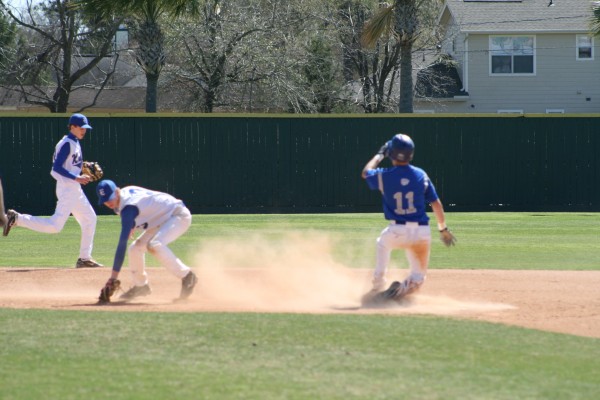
(244, 55)
(400, 19)
(8, 37)
(376, 68)
(596, 18)
(320, 76)
(46, 70)
(211, 53)
(145, 17)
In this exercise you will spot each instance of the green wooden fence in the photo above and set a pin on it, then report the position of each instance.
(289, 164)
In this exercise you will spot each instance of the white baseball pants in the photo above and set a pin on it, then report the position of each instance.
(155, 240)
(415, 240)
(71, 200)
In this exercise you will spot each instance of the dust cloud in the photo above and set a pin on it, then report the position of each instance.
(292, 272)
(297, 273)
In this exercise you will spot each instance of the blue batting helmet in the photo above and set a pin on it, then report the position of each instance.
(401, 148)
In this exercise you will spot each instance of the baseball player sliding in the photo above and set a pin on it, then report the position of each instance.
(405, 190)
(66, 170)
(162, 218)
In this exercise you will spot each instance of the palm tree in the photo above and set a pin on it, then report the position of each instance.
(596, 18)
(146, 30)
(399, 19)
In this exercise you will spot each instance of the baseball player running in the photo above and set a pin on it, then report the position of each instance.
(66, 169)
(405, 191)
(162, 218)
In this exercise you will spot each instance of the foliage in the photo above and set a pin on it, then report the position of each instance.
(247, 56)
(8, 38)
(301, 56)
(218, 52)
(376, 69)
(144, 20)
(47, 69)
(320, 76)
(596, 18)
(402, 20)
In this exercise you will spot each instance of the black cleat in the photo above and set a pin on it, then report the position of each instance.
(187, 285)
(391, 292)
(136, 291)
(11, 219)
(90, 263)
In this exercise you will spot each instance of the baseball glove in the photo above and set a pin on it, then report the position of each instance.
(385, 149)
(93, 170)
(447, 237)
(108, 290)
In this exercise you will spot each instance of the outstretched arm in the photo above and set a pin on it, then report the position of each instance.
(445, 235)
(128, 215)
(438, 211)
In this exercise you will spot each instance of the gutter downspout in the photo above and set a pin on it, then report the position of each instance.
(465, 87)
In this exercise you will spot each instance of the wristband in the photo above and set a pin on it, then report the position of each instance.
(442, 227)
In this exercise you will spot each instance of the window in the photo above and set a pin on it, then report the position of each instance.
(555, 111)
(585, 47)
(510, 111)
(512, 55)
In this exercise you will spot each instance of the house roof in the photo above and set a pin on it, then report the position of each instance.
(520, 16)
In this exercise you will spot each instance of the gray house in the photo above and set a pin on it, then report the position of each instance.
(513, 56)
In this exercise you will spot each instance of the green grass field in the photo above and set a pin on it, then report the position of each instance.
(54, 354)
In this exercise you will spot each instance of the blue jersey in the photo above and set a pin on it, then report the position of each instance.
(406, 190)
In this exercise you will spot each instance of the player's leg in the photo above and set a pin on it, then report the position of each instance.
(392, 237)
(173, 228)
(55, 223)
(417, 255)
(137, 257)
(86, 217)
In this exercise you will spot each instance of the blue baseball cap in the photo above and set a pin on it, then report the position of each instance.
(106, 191)
(79, 120)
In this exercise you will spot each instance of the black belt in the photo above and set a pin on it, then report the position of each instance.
(422, 223)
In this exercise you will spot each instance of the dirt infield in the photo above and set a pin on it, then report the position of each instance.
(558, 301)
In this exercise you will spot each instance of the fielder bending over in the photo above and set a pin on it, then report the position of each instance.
(66, 169)
(405, 191)
(162, 218)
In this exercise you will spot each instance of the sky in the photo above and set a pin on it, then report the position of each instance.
(19, 3)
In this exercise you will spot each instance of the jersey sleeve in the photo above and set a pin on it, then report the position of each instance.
(59, 161)
(128, 215)
(430, 193)
(373, 179)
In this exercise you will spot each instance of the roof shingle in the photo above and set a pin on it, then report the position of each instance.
(529, 16)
